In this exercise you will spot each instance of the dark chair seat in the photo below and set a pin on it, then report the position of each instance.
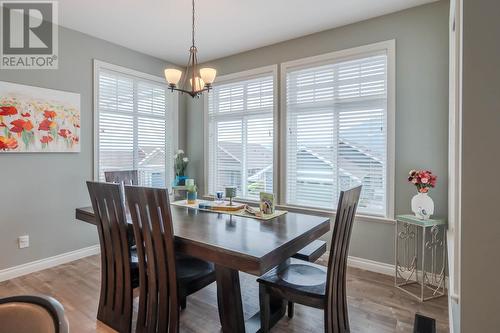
(310, 253)
(297, 280)
(190, 269)
(193, 274)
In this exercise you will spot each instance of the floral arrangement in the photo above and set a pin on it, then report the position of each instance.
(180, 162)
(422, 179)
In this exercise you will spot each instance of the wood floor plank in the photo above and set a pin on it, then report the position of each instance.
(374, 304)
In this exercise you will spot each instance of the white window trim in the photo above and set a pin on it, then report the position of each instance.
(347, 54)
(249, 74)
(174, 105)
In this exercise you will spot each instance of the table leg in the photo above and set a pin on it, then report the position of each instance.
(229, 300)
(231, 307)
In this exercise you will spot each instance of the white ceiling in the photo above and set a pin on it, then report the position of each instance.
(162, 28)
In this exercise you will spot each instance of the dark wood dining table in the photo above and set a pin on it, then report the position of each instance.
(237, 244)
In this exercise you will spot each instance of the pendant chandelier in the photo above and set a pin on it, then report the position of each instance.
(200, 80)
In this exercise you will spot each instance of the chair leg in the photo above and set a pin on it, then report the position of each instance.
(290, 309)
(265, 309)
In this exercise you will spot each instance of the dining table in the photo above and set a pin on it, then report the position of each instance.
(238, 244)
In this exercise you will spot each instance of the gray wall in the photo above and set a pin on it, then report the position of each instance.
(421, 36)
(480, 222)
(39, 192)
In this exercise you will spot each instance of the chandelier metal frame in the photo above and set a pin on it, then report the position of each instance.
(192, 75)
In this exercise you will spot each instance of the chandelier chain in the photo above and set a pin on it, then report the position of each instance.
(193, 25)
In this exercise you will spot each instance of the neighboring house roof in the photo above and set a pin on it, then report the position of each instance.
(259, 155)
(153, 158)
(350, 161)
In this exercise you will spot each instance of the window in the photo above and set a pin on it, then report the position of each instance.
(337, 130)
(241, 133)
(134, 121)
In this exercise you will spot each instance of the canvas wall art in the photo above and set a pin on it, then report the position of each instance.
(34, 119)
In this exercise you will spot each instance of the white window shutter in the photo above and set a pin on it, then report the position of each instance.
(116, 122)
(134, 127)
(240, 125)
(153, 149)
(337, 132)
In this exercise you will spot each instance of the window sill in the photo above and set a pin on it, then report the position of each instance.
(315, 211)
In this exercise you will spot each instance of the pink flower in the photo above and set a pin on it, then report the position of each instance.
(422, 179)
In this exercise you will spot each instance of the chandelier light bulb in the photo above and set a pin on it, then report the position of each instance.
(173, 76)
(208, 75)
(198, 83)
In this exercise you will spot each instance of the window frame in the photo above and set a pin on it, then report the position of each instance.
(348, 54)
(173, 104)
(235, 77)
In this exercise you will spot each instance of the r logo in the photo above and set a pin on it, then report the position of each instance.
(29, 34)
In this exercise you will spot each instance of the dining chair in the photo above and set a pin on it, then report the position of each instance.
(127, 177)
(124, 177)
(314, 285)
(165, 279)
(32, 314)
(119, 264)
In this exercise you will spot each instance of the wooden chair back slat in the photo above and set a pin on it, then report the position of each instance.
(115, 301)
(124, 177)
(152, 222)
(336, 313)
(127, 177)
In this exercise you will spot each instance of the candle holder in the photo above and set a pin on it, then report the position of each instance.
(219, 197)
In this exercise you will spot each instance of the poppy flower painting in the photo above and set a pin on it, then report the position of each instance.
(36, 119)
(7, 143)
(7, 110)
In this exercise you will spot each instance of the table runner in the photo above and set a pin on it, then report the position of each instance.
(242, 212)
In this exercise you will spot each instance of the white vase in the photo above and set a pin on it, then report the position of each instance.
(422, 206)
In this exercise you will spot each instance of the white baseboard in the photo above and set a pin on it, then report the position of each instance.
(38, 265)
(371, 265)
(382, 268)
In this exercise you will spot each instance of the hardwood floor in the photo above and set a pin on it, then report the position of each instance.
(374, 304)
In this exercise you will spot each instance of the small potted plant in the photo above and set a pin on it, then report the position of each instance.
(422, 204)
(230, 194)
(192, 191)
(180, 164)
